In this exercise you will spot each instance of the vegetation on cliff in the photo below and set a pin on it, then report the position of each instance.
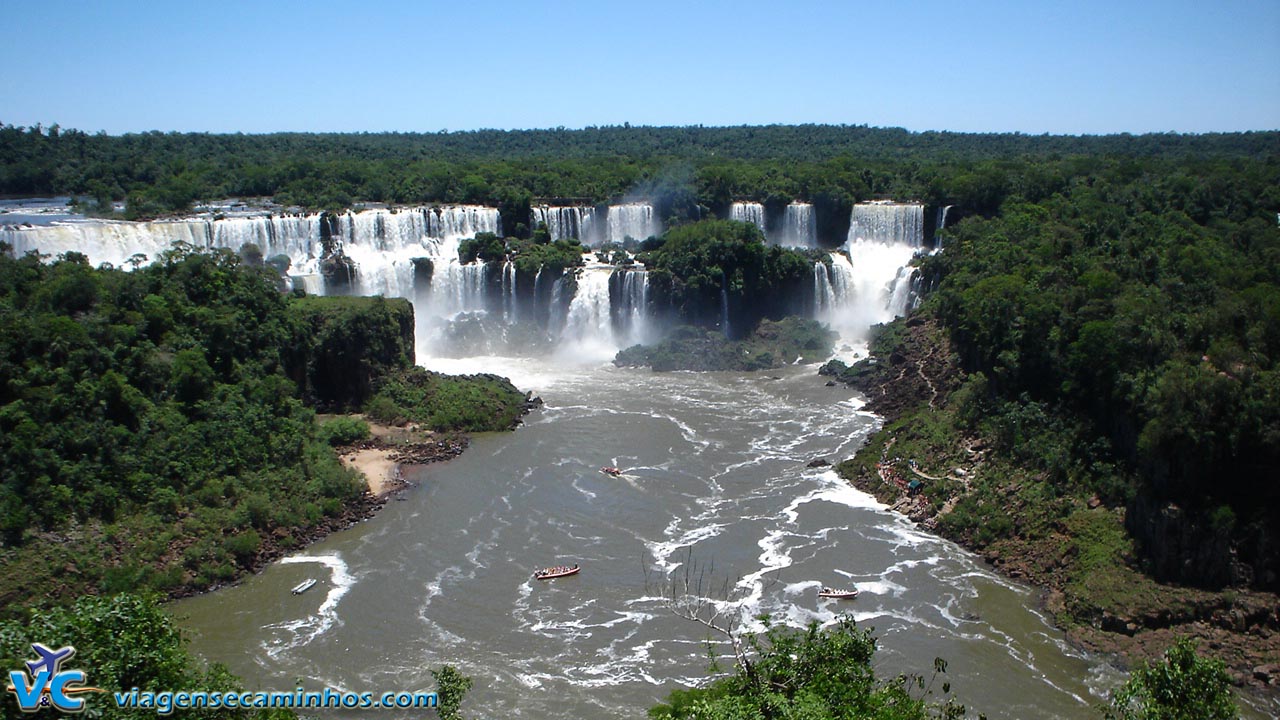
(152, 431)
(1183, 685)
(466, 403)
(1135, 318)
(1089, 398)
(720, 273)
(772, 344)
(342, 346)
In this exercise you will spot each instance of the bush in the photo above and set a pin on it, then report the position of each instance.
(1182, 687)
(344, 431)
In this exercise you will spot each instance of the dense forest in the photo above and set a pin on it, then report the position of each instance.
(158, 428)
(1134, 317)
(831, 166)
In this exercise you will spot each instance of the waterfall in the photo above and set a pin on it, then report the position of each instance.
(629, 298)
(380, 241)
(752, 212)
(798, 226)
(633, 220)
(105, 241)
(888, 222)
(588, 321)
(832, 287)
(942, 216)
(871, 280)
(383, 244)
(724, 305)
(902, 290)
(455, 287)
(509, 291)
(564, 223)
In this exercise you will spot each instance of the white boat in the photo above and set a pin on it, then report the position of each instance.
(303, 586)
(838, 593)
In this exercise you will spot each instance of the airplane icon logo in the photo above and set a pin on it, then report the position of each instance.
(48, 684)
(50, 660)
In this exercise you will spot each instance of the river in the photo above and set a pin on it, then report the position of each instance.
(715, 474)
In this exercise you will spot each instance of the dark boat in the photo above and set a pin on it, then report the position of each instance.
(838, 593)
(552, 573)
(610, 471)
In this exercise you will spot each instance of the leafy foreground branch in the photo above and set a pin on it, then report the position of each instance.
(811, 673)
(124, 642)
(1183, 687)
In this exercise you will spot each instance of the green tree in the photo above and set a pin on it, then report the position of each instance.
(810, 674)
(1184, 686)
(451, 687)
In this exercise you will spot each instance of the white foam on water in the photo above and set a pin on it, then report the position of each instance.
(302, 631)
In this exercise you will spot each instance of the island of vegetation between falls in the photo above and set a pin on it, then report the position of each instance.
(159, 427)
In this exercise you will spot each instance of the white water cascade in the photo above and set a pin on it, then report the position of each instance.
(752, 212)
(888, 222)
(798, 226)
(631, 220)
(383, 244)
(588, 327)
(567, 222)
(871, 280)
(832, 287)
(629, 293)
(115, 242)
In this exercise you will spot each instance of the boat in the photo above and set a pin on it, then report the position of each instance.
(838, 593)
(303, 586)
(559, 571)
(610, 471)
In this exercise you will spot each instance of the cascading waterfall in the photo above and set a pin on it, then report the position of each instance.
(752, 212)
(902, 290)
(724, 306)
(106, 241)
(588, 321)
(631, 220)
(567, 222)
(509, 291)
(888, 222)
(383, 244)
(557, 321)
(798, 226)
(832, 287)
(455, 287)
(599, 307)
(629, 298)
(871, 281)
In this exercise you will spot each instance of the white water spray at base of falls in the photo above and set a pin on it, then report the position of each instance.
(588, 328)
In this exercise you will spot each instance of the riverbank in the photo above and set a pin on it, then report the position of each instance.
(380, 458)
(931, 465)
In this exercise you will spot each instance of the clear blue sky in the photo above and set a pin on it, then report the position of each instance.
(1032, 66)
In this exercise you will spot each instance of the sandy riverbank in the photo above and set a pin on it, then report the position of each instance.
(379, 458)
